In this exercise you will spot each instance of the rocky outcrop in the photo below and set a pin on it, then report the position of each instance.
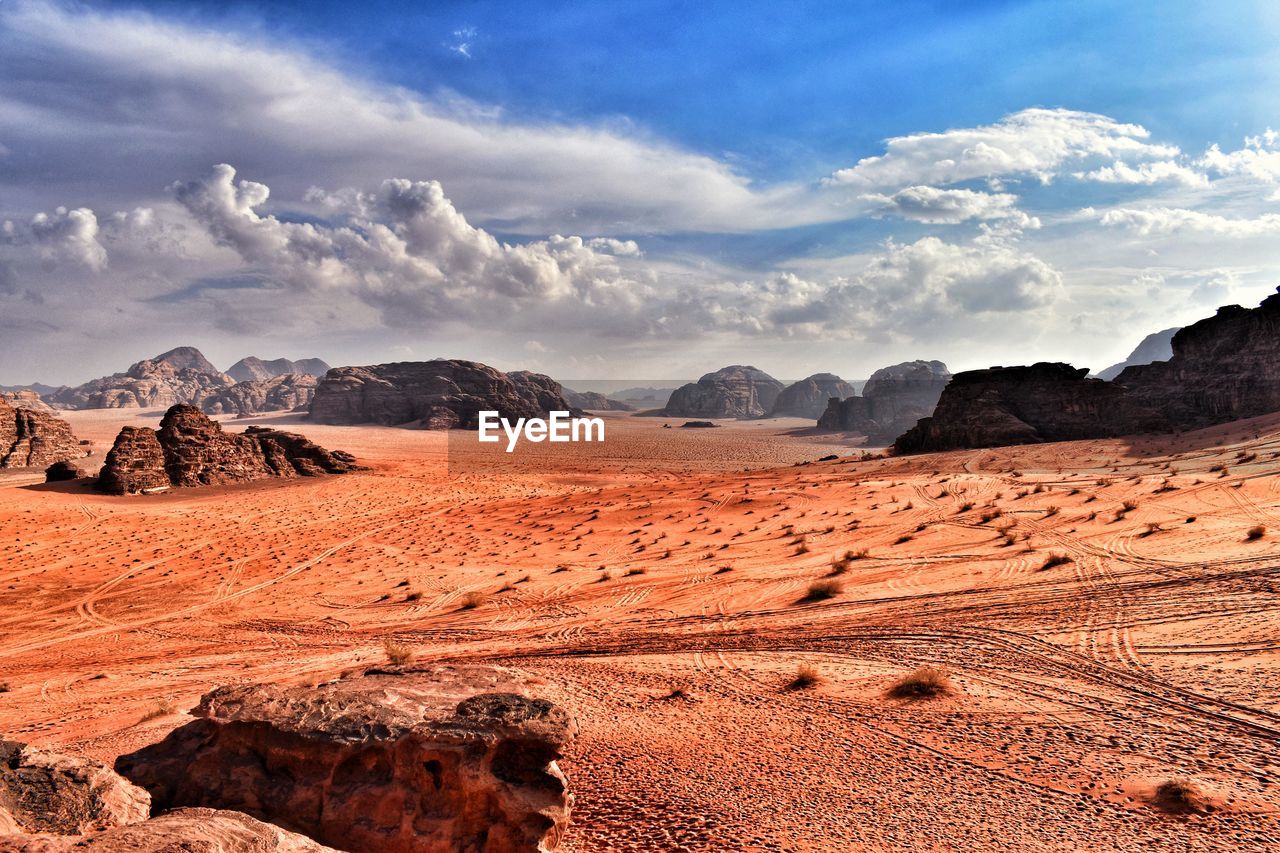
(1157, 346)
(1223, 368)
(253, 369)
(60, 472)
(595, 402)
(26, 400)
(288, 392)
(808, 398)
(737, 391)
(178, 831)
(33, 438)
(189, 449)
(181, 375)
(408, 759)
(893, 399)
(1024, 405)
(440, 394)
(42, 791)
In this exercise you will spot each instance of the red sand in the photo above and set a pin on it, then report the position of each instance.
(680, 560)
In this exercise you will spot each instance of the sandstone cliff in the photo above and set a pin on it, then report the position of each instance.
(808, 397)
(893, 399)
(189, 449)
(181, 375)
(26, 400)
(1157, 346)
(253, 369)
(287, 392)
(34, 438)
(440, 394)
(737, 391)
(1222, 368)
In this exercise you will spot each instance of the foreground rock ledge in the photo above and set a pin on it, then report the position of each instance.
(403, 759)
(179, 831)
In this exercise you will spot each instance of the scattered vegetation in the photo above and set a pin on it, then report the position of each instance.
(822, 590)
(807, 676)
(927, 682)
(398, 654)
(162, 708)
(1055, 560)
(472, 600)
(1181, 796)
(1255, 533)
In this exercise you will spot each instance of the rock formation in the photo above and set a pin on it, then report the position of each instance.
(404, 758)
(178, 831)
(33, 438)
(737, 391)
(1157, 346)
(60, 472)
(440, 394)
(189, 449)
(595, 401)
(1023, 405)
(253, 369)
(26, 400)
(893, 399)
(1223, 368)
(43, 791)
(808, 397)
(181, 375)
(288, 392)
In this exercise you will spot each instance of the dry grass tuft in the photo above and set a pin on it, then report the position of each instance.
(1181, 796)
(398, 654)
(1055, 560)
(1255, 533)
(822, 590)
(472, 600)
(162, 708)
(927, 682)
(807, 676)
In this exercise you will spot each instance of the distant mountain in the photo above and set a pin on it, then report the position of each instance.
(736, 391)
(38, 387)
(1157, 346)
(252, 368)
(181, 375)
(645, 396)
(808, 397)
(595, 401)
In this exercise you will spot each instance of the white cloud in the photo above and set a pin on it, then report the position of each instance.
(943, 206)
(1035, 142)
(1160, 171)
(1259, 158)
(1165, 221)
(69, 234)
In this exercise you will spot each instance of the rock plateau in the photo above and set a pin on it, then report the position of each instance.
(737, 391)
(808, 398)
(893, 399)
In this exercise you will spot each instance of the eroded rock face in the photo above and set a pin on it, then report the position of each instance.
(1223, 368)
(287, 392)
(429, 758)
(893, 400)
(181, 375)
(60, 472)
(808, 398)
(595, 402)
(1024, 405)
(1157, 346)
(26, 399)
(440, 394)
(33, 438)
(253, 369)
(185, 830)
(43, 791)
(737, 391)
(189, 449)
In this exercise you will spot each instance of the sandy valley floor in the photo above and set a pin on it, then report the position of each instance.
(660, 584)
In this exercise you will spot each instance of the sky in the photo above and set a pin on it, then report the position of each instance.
(611, 190)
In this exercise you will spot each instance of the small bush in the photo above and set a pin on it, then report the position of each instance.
(162, 708)
(807, 676)
(1255, 533)
(1181, 796)
(1055, 560)
(927, 682)
(906, 537)
(633, 572)
(472, 600)
(822, 590)
(398, 654)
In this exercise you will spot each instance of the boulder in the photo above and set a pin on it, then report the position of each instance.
(283, 393)
(440, 394)
(185, 830)
(60, 472)
(43, 791)
(808, 397)
(416, 758)
(737, 391)
(893, 399)
(253, 369)
(30, 438)
(189, 449)
(181, 375)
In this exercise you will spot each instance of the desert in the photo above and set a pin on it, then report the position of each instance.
(727, 633)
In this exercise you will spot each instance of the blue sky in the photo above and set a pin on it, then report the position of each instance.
(656, 188)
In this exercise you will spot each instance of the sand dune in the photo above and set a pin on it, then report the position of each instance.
(661, 584)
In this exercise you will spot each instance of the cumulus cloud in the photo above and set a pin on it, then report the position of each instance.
(1165, 221)
(1159, 171)
(949, 206)
(1258, 159)
(1034, 142)
(62, 234)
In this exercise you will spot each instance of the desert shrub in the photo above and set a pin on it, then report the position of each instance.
(1255, 533)
(635, 571)
(1054, 560)
(472, 600)
(927, 682)
(398, 654)
(807, 676)
(1181, 796)
(162, 708)
(906, 537)
(822, 590)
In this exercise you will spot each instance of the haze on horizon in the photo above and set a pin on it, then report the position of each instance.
(626, 190)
